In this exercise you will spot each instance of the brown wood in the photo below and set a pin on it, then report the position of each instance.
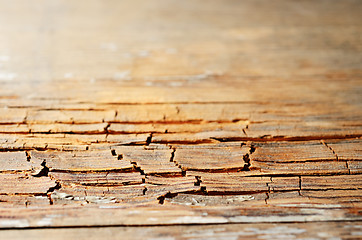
(25, 184)
(344, 230)
(180, 119)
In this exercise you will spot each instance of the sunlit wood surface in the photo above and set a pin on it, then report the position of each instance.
(218, 119)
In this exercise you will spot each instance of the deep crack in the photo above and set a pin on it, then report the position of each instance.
(43, 172)
(51, 190)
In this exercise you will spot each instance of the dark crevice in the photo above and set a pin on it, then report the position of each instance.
(17, 149)
(172, 155)
(56, 187)
(198, 181)
(12, 123)
(267, 193)
(247, 164)
(300, 183)
(172, 159)
(247, 160)
(52, 189)
(349, 170)
(28, 157)
(161, 199)
(106, 128)
(138, 168)
(267, 197)
(43, 172)
(252, 149)
(113, 152)
(330, 148)
(244, 131)
(149, 139)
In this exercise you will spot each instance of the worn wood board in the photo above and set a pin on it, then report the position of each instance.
(180, 119)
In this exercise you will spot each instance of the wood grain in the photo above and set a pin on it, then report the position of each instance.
(180, 119)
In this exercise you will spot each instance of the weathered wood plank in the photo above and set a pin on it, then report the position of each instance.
(229, 183)
(14, 129)
(345, 230)
(299, 131)
(336, 196)
(12, 115)
(177, 127)
(302, 168)
(344, 182)
(292, 152)
(15, 161)
(284, 184)
(23, 201)
(170, 214)
(347, 150)
(25, 184)
(149, 161)
(98, 179)
(212, 159)
(127, 139)
(355, 167)
(81, 161)
(68, 116)
(68, 128)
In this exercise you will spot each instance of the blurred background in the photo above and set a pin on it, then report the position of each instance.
(172, 43)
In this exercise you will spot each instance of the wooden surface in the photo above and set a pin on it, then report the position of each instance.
(180, 119)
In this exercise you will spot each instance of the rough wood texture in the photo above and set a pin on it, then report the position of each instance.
(344, 230)
(174, 119)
